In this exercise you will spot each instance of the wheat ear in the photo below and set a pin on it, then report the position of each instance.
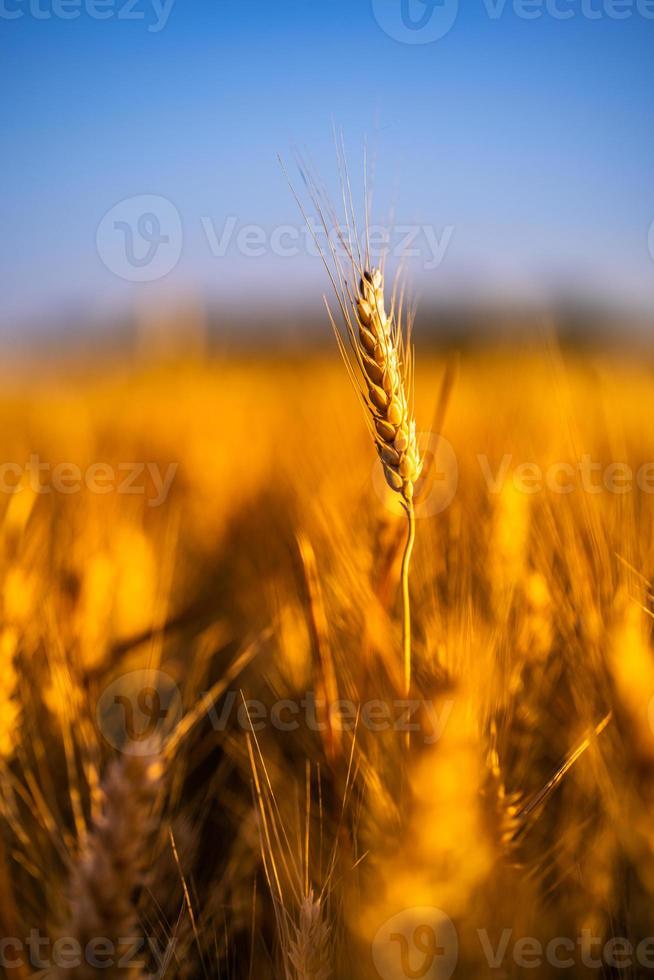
(385, 369)
(309, 949)
(384, 375)
(113, 864)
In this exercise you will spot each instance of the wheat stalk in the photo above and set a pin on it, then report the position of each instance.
(382, 373)
(377, 362)
(379, 349)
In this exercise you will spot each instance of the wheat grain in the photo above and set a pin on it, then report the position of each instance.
(112, 866)
(384, 375)
(309, 949)
(384, 383)
(379, 348)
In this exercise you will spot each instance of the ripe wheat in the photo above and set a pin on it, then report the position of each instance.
(379, 348)
(113, 865)
(384, 381)
(309, 948)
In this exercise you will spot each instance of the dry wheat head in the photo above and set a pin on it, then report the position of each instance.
(379, 350)
(309, 949)
(114, 863)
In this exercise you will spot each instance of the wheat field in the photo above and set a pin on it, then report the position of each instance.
(205, 763)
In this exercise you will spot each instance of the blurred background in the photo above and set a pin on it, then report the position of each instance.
(510, 145)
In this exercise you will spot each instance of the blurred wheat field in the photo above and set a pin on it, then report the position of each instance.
(273, 823)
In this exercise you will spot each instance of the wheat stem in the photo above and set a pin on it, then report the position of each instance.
(380, 351)
(406, 599)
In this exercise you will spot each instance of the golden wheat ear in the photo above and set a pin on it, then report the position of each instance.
(377, 356)
(379, 349)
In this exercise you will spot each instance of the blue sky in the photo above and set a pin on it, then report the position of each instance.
(524, 145)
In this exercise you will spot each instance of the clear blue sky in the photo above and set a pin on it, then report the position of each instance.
(531, 140)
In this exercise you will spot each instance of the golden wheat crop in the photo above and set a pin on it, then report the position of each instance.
(246, 616)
